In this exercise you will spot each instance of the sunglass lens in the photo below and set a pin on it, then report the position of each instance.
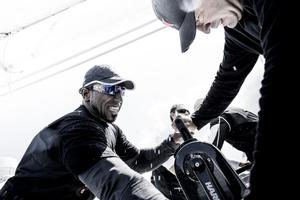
(114, 89)
(183, 111)
(109, 89)
(121, 90)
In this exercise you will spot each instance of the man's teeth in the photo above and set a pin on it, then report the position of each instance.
(114, 109)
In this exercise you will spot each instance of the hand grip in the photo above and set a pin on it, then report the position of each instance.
(185, 133)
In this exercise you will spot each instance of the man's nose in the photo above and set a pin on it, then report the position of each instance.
(118, 96)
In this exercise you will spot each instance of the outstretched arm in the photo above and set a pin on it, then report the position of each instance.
(110, 178)
(235, 67)
(144, 160)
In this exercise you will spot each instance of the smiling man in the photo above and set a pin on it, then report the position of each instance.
(84, 154)
(252, 28)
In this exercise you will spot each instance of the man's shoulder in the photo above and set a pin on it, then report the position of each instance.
(77, 119)
(240, 115)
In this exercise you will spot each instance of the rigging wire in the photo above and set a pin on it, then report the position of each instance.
(82, 52)
(6, 34)
(84, 61)
(3, 64)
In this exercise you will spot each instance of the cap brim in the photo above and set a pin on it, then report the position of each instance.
(128, 84)
(187, 31)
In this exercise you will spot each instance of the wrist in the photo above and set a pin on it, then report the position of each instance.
(176, 138)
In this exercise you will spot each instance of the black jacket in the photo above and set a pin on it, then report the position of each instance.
(254, 35)
(262, 30)
(71, 145)
(238, 127)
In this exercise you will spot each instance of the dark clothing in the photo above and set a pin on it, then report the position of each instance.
(243, 45)
(260, 31)
(167, 183)
(238, 128)
(70, 146)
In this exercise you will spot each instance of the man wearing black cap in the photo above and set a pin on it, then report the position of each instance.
(252, 27)
(84, 154)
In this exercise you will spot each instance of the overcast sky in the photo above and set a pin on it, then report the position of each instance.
(42, 66)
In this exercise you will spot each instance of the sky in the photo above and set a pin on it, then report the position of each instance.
(43, 64)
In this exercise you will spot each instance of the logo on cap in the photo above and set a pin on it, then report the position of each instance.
(167, 23)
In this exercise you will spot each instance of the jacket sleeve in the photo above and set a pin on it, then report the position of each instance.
(143, 160)
(236, 65)
(111, 179)
(150, 159)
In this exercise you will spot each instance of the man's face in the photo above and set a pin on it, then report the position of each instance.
(212, 13)
(180, 112)
(105, 106)
(184, 114)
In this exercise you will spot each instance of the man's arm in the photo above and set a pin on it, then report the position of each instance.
(236, 65)
(149, 159)
(144, 160)
(97, 166)
(111, 179)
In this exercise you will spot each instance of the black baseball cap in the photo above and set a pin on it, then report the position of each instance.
(171, 13)
(103, 74)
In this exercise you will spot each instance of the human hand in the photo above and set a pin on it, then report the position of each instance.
(187, 120)
(177, 137)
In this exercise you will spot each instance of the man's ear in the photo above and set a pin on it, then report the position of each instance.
(85, 94)
(172, 116)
